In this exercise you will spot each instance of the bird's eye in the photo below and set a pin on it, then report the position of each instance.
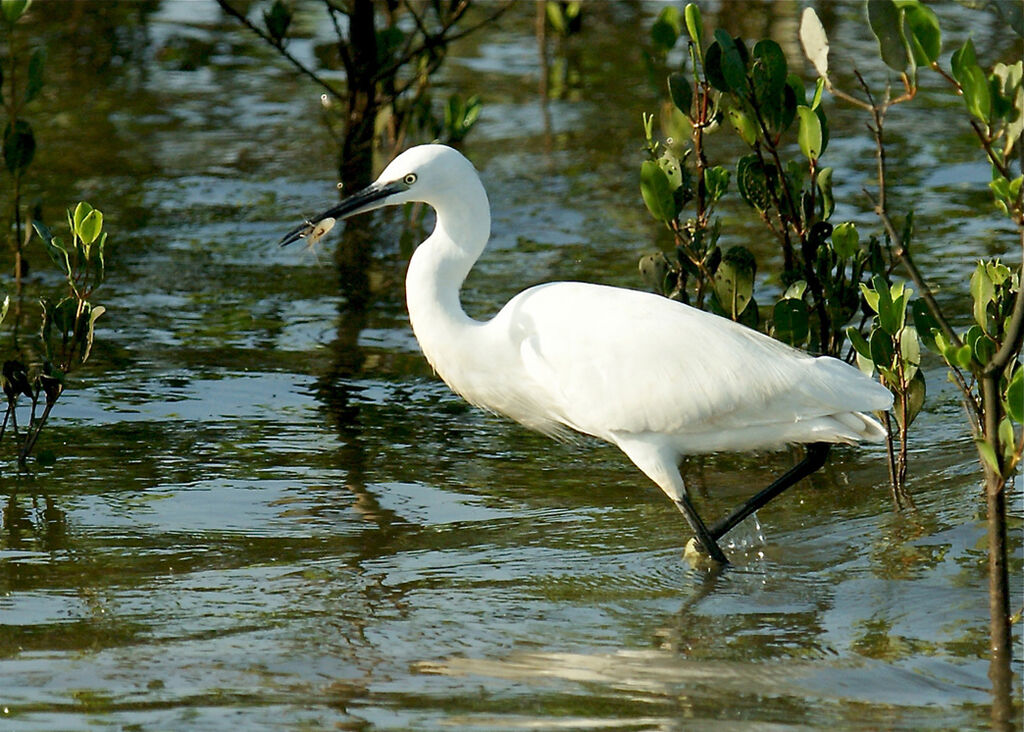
(410, 179)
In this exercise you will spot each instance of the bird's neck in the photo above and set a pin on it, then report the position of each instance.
(438, 268)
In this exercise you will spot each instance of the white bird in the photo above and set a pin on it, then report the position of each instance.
(655, 377)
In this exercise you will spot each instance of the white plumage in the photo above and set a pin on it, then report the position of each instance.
(655, 377)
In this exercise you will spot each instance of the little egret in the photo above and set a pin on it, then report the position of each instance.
(652, 376)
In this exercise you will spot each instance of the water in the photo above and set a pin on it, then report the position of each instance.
(267, 513)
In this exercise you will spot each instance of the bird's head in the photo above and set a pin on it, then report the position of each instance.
(423, 173)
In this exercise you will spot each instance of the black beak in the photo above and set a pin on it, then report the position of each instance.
(367, 199)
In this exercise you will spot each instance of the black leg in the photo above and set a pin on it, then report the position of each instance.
(707, 542)
(813, 460)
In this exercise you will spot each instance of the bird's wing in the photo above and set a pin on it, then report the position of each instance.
(615, 360)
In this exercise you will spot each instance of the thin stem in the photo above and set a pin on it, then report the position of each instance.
(279, 47)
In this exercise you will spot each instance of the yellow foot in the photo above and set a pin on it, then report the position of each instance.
(696, 556)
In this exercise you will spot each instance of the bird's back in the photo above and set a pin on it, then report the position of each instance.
(607, 361)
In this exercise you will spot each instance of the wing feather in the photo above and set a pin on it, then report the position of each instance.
(614, 360)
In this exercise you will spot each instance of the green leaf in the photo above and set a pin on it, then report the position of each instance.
(983, 292)
(963, 58)
(914, 399)
(1006, 440)
(769, 72)
(82, 210)
(809, 135)
(860, 345)
(973, 82)
(962, 356)
(814, 41)
(716, 182)
(846, 240)
(673, 170)
(819, 87)
(734, 70)
(734, 280)
(19, 146)
(743, 125)
(13, 9)
(713, 67)
(91, 227)
(921, 29)
(277, 20)
(870, 296)
(93, 313)
(792, 321)
(656, 191)
(796, 290)
(987, 453)
(752, 182)
(828, 203)
(681, 91)
(886, 23)
(35, 75)
(694, 25)
(1014, 404)
(4, 308)
(666, 28)
(54, 247)
(555, 16)
(888, 316)
(910, 351)
(925, 324)
(882, 349)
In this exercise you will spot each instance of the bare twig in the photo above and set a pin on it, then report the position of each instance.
(279, 47)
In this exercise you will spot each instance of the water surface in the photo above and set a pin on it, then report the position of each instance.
(266, 512)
